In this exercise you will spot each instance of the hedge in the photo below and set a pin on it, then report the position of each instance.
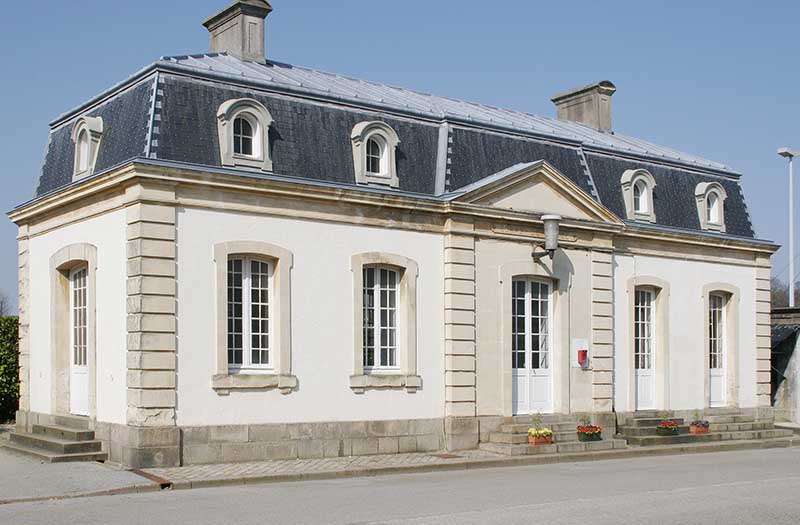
(9, 367)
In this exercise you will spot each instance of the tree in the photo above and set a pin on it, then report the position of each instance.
(779, 293)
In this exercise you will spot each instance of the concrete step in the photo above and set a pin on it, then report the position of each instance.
(519, 438)
(565, 437)
(736, 427)
(746, 435)
(72, 434)
(722, 411)
(517, 450)
(522, 428)
(731, 419)
(54, 444)
(651, 421)
(791, 427)
(561, 448)
(54, 457)
(648, 431)
(547, 419)
(77, 422)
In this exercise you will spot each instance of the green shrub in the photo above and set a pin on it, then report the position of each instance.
(9, 367)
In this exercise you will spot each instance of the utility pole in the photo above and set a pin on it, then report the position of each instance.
(790, 154)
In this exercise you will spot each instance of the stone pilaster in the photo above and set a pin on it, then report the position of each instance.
(461, 426)
(23, 307)
(151, 315)
(763, 332)
(602, 341)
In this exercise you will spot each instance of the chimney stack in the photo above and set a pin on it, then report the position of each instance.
(239, 29)
(589, 105)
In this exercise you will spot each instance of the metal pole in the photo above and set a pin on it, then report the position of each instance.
(791, 235)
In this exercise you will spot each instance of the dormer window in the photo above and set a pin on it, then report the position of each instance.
(710, 197)
(86, 135)
(243, 126)
(637, 192)
(374, 145)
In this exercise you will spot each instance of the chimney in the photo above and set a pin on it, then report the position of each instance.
(239, 29)
(589, 105)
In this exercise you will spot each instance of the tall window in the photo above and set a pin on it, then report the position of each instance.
(640, 204)
(530, 311)
(716, 307)
(78, 314)
(712, 208)
(249, 313)
(643, 329)
(374, 156)
(380, 317)
(243, 134)
(83, 151)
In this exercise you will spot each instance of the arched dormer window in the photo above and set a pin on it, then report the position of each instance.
(637, 192)
(86, 135)
(374, 145)
(243, 126)
(710, 197)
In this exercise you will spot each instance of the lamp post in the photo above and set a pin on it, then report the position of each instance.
(550, 237)
(790, 154)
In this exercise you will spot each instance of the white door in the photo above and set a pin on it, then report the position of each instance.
(716, 351)
(644, 347)
(79, 322)
(532, 388)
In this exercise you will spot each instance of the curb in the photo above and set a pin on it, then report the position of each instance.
(665, 450)
(132, 489)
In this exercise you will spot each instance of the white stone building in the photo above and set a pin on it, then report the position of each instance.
(231, 258)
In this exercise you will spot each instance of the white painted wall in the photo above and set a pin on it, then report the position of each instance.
(107, 233)
(686, 326)
(322, 324)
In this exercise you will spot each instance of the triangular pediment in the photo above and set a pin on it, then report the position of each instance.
(539, 188)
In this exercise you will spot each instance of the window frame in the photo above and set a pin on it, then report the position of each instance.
(404, 375)
(716, 334)
(247, 365)
(703, 192)
(387, 140)
(630, 180)
(84, 161)
(259, 119)
(528, 332)
(392, 350)
(75, 317)
(651, 323)
(279, 374)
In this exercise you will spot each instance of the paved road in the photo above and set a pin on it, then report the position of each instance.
(728, 487)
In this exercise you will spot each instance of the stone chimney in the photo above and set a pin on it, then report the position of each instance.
(589, 105)
(239, 29)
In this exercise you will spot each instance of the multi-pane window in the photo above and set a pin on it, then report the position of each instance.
(374, 156)
(78, 314)
(249, 313)
(83, 151)
(643, 329)
(640, 197)
(716, 338)
(380, 291)
(243, 134)
(712, 208)
(530, 324)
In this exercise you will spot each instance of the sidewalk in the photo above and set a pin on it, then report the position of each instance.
(26, 479)
(195, 476)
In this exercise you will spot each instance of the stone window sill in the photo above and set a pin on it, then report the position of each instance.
(224, 383)
(361, 383)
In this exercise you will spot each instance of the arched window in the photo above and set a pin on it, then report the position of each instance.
(374, 145)
(243, 126)
(637, 192)
(710, 198)
(86, 135)
(243, 134)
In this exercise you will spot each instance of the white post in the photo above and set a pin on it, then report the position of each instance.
(791, 235)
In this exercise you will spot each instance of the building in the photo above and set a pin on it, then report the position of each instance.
(785, 364)
(233, 258)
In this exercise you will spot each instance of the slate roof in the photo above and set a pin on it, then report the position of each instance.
(167, 111)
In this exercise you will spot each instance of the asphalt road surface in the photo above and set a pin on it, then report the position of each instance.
(729, 487)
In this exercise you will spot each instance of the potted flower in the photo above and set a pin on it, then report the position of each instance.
(698, 425)
(667, 428)
(538, 434)
(589, 432)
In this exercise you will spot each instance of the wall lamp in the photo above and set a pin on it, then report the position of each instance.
(550, 237)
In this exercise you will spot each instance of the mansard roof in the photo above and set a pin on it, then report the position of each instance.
(167, 111)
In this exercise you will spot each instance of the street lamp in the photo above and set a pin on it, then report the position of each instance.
(550, 237)
(790, 154)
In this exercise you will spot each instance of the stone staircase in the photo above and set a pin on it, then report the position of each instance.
(68, 439)
(511, 438)
(724, 425)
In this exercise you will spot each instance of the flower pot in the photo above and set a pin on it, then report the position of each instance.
(592, 436)
(667, 431)
(697, 429)
(544, 440)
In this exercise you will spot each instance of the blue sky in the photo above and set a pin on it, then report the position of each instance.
(718, 79)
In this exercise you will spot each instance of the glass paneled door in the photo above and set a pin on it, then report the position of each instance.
(716, 351)
(531, 355)
(644, 347)
(79, 323)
